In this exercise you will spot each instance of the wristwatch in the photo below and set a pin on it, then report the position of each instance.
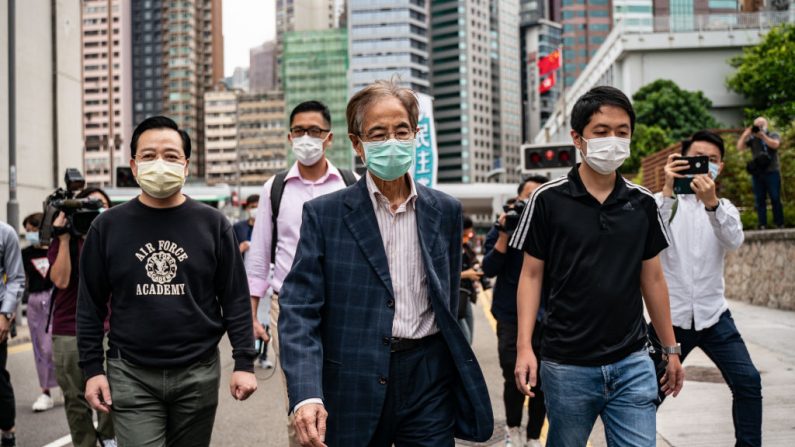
(8, 315)
(712, 210)
(675, 349)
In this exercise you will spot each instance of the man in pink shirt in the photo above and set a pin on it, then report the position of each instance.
(312, 175)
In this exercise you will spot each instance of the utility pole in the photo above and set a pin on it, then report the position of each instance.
(12, 208)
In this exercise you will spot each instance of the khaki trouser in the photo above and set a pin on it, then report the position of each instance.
(78, 412)
(274, 325)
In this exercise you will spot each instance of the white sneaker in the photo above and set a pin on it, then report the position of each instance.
(266, 364)
(513, 436)
(533, 443)
(43, 403)
(109, 443)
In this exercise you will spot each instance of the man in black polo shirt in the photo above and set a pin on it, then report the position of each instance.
(593, 239)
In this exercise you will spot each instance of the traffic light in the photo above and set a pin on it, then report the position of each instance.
(545, 156)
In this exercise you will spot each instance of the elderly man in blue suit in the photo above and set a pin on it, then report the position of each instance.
(370, 345)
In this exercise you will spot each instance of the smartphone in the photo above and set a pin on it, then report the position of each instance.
(696, 165)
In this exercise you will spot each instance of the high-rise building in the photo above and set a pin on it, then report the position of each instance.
(539, 40)
(531, 11)
(305, 15)
(107, 85)
(47, 101)
(261, 136)
(461, 87)
(302, 15)
(262, 67)
(634, 15)
(506, 88)
(239, 80)
(388, 40)
(176, 58)
(245, 136)
(315, 67)
(220, 133)
(471, 54)
(586, 24)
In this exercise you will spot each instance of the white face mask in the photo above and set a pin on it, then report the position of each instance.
(605, 155)
(308, 150)
(159, 178)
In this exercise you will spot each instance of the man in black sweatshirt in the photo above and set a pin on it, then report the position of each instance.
(169, 271)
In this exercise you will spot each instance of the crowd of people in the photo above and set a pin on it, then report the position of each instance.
(368, 283)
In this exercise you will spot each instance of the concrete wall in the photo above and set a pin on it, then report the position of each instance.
(761, 272)
(39, 165)
(691, 69)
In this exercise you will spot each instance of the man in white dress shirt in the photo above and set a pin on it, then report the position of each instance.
(703, 228)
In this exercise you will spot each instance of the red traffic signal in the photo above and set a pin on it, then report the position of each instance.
(545, 156)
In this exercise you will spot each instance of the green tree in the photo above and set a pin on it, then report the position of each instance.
(678, 112)
(766, 76)
(646, 140)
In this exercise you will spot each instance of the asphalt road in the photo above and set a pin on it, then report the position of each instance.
(701, 416)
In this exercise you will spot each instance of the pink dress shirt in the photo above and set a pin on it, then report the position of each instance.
(297, 190)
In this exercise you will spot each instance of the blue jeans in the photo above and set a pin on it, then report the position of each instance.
(766, 184)
(624, 394)
(725, 347)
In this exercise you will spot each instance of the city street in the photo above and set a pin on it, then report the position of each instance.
(700, 416)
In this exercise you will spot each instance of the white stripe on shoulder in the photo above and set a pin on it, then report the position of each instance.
(520, 234)
(646, 191)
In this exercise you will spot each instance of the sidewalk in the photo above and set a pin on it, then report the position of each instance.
(702, 414)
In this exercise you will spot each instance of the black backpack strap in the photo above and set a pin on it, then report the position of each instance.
(277, 189)
(347, 177)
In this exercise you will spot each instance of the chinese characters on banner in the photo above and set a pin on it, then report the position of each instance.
(426, 159)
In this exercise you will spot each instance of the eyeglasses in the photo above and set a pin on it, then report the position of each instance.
(152, 156)
(314, 132)
(380, 136)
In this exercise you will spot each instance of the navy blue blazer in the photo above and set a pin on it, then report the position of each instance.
(335, 314)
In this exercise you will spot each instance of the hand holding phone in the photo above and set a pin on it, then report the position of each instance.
(695, 166)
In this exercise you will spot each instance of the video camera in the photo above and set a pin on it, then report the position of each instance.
(513, 211)
(79, 212)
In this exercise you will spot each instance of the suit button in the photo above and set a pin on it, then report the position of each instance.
(387, 341)
(390, 304)
(382, 380)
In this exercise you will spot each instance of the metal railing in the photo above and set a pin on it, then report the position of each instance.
(718, 22)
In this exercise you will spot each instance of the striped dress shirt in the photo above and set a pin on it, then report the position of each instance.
(414, 316)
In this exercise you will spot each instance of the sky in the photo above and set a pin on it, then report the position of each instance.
(246, 24)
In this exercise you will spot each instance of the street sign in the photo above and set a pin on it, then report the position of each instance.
(426, 160)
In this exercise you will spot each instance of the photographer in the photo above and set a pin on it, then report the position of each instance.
(506, 264)
(765, 170)
(64, 256)
(702, 229)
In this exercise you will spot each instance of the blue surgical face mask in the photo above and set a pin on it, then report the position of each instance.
(391, 159)
(714, 168)
(32, 237)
